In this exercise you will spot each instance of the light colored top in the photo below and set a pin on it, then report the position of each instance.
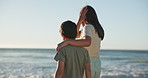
(75, 60)
(94, 48)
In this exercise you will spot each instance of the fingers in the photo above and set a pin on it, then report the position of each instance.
(61, 45)
(57, 49)
(83, 15)
(85, 10)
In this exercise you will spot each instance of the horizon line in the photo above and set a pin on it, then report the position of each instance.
(54, 48)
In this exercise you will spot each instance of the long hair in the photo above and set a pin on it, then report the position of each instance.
(91, 17)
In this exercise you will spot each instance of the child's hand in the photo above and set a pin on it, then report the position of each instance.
(82, 16)
(61, 45)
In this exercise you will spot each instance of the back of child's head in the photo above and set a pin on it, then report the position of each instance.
(69, 29)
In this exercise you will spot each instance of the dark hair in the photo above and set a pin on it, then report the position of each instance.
(91, 17)
(69, 29)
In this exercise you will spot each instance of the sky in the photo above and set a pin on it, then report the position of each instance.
(36, 23)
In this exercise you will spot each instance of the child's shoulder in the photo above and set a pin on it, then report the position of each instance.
(71, 47)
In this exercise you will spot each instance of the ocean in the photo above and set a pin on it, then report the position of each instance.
(39, 63)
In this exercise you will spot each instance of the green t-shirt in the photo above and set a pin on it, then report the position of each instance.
(75, 60)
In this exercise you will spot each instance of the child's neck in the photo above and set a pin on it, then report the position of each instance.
(68, 39)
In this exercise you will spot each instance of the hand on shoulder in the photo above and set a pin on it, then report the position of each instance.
(61, 45)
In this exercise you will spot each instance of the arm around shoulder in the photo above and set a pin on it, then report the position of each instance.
(81, 42)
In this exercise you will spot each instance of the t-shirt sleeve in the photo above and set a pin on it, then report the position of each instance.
(60, 56)
(88, 30)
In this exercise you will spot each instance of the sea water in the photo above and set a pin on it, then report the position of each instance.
(39, 63)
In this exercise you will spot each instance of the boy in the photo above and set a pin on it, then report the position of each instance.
(72, 60)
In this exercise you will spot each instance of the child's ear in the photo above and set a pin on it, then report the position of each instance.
(63, 36)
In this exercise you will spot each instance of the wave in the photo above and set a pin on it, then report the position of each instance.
(139, 61)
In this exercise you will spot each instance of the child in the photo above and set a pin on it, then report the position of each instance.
(72, 60)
